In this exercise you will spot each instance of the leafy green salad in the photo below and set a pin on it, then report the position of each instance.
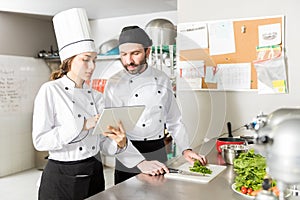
(251, 170)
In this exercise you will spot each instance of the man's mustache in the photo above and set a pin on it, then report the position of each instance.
(131, 64)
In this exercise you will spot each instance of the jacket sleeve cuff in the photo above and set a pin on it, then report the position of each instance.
(130, 157)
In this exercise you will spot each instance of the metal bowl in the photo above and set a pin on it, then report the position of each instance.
(108, 45)
(161, 31)
(231, 151)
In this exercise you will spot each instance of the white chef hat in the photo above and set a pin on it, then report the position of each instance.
(73, 34)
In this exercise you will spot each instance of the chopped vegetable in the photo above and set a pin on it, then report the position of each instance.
(198, 167)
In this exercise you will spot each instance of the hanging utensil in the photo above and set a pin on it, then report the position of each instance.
(229, 129)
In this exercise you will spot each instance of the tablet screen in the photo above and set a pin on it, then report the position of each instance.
(128, 115)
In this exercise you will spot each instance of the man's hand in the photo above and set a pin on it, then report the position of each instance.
(152, 167)
(191, 156)
(117, 134)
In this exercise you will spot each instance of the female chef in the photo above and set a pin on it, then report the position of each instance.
(65, 113)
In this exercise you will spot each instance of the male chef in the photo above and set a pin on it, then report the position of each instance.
(140, 84)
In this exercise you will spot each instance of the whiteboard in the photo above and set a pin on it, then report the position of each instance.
(20, 80)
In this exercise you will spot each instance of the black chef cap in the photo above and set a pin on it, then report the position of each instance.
(134, 34)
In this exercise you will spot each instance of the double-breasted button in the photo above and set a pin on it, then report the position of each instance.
(155, 78)
(158, 92)
(160, 121)
(66, 88)
(159, 136)
(93, 147)
(160, 107)
(89, 91)
(92, 103)
(73, 101)
(143, 125)
(80, 148)
(131, 81)
(79, 115)
(136, 95)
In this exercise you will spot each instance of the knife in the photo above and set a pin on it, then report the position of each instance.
(178, 171)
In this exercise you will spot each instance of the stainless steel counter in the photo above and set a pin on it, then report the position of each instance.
(144, 187)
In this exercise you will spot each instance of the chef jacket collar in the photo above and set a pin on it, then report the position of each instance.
(71, 84)
(147, 72)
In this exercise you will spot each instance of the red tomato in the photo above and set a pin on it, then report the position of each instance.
(244, 190)
(249, 191)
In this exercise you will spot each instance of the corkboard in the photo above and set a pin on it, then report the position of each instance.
(245, 44)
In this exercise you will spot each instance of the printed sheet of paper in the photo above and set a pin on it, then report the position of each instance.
(192, 36)
(190, 75)
(210, 76)
(269, 34)
(234, 76)
(221, 38)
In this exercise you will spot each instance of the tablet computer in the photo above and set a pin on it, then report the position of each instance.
(128, 115)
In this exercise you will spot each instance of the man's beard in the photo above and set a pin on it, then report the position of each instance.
(138, 68)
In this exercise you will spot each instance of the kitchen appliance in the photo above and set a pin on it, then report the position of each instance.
(279, 136)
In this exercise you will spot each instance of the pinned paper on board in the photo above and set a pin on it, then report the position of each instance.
(190, 75)
(221, 38)
(192, 36)
(268, 52)
(271, 76)
(269, 34)
(234, 76)
(210, 75)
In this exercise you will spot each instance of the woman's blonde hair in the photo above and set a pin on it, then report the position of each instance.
(64, 68)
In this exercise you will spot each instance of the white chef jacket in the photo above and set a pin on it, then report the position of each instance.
(58, 118)
(153, 89)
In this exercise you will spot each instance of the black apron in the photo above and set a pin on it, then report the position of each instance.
(151, 150)
(75, 180)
